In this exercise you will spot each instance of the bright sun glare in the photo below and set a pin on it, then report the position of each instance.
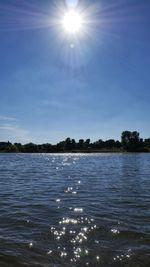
(72, 22)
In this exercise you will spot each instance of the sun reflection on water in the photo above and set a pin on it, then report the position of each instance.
(77, 238)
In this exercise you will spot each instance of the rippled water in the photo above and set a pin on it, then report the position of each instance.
(74, 210)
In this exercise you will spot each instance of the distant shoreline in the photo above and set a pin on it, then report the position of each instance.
(78, 152)
(130, 142)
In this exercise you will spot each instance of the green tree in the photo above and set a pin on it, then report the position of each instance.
(19, 147)
(73, 144)
(68, 144)
(131, 140)
(30, 148)
(13, 148)
(147, 142)
(87, 143)
(81, 144)
(98, 144)
(117, 144)
(110, 143)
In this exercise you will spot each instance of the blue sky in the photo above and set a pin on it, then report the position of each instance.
(97, 89)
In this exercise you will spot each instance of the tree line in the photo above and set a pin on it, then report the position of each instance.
(130, 142)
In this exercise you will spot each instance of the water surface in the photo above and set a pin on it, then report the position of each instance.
(74, 210)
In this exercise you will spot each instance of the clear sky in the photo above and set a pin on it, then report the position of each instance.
(54, 86)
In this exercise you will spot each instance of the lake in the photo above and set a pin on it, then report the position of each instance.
(75, 210)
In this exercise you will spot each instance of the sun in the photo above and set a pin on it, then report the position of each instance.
(72, 22)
